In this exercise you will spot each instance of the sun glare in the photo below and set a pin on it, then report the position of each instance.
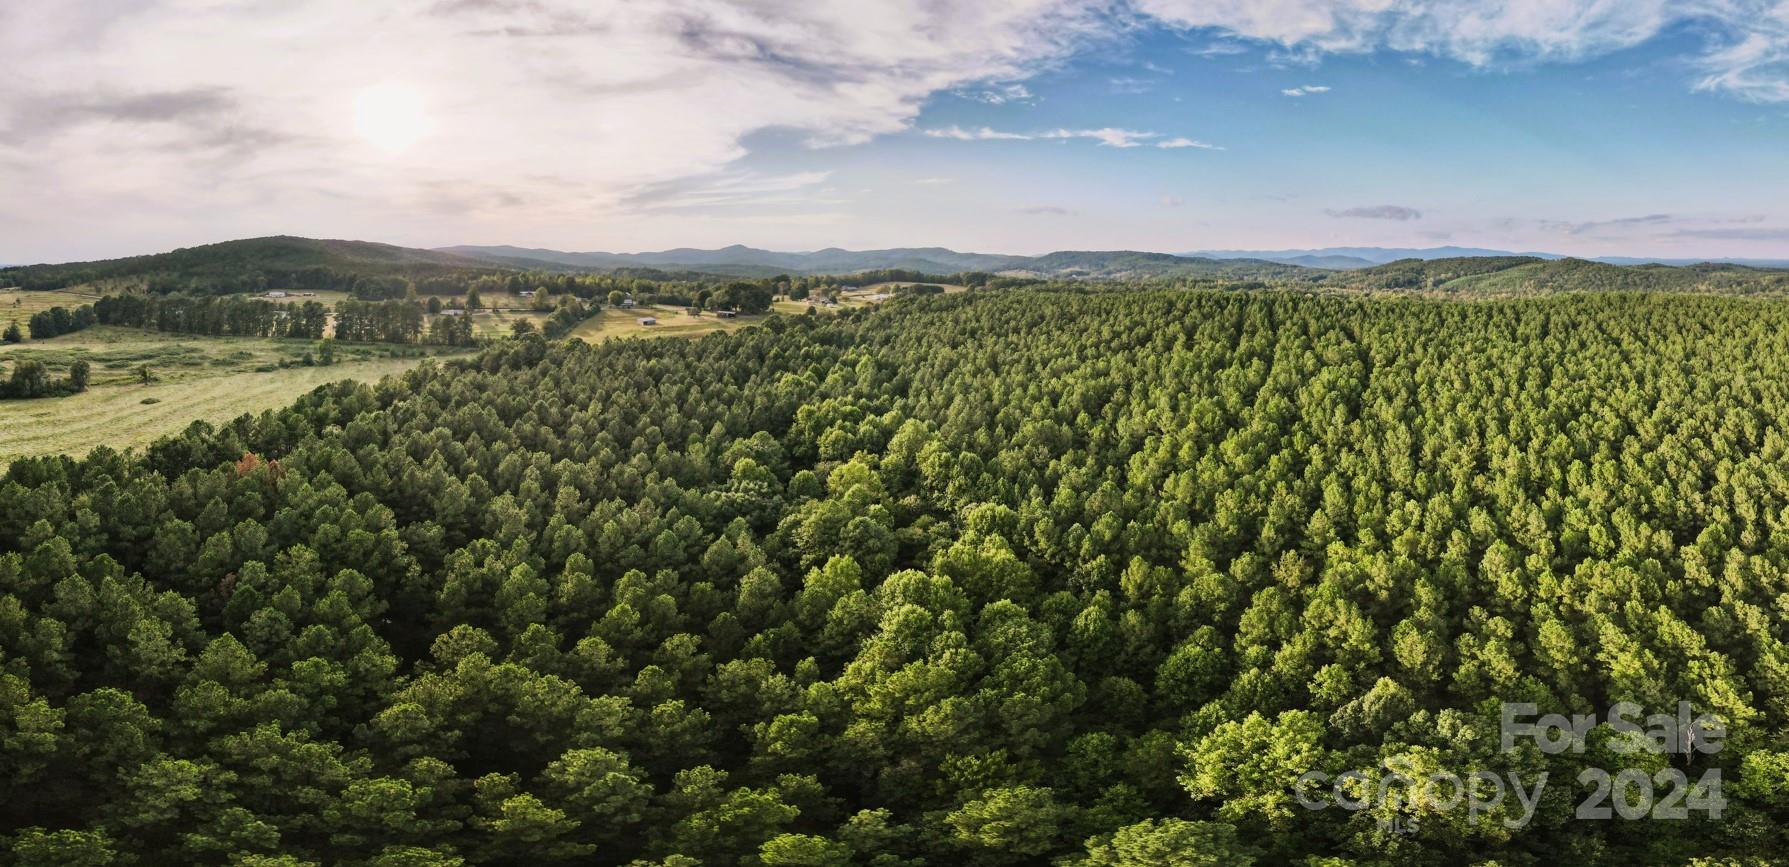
(390, 117)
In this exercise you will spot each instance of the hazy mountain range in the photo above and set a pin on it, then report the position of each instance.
(935, 260)
(286, 260)
(739, 259)
(1346, 258)
(751, 261)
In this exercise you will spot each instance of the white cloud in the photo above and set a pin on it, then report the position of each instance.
(1115, 137)
(734, 189)
(1399, 213)
(1179, 142)
(1755, 68)
(163, 122)
(1109, 136)
(1748, 54)
(142, 124)
(1002, 94)
(977, 134)
(1306, 90)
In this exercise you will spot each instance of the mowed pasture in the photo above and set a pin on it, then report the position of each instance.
(501, 323)
(213, 379)
(875, 288)
(615, 322)
(17, 304)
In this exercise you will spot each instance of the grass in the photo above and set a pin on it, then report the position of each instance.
(486, 323)
(20, 304)
(896, 284)
(213, 379)
(615, 322)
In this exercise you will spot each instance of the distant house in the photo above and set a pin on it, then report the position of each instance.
(648, 320)
(308, 294)
(627, 302)
(276, 294)
(526, 293)
(727, 314)
(453, 311)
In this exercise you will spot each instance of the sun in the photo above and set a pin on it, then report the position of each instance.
(391, 116)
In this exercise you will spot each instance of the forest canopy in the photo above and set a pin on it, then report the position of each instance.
(984, 578)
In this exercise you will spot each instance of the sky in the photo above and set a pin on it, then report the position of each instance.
(1581, 127)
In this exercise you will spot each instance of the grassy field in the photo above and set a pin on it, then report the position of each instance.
(209, 378)
(616, 322)
(498, 324)
(885, 287)
(19, 305)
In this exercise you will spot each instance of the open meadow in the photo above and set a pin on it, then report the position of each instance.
(19, 305)
(614, 322)
(193, 378)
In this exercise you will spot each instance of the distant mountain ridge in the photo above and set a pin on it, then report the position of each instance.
(281, 258)
(1348, 258)
(936, 260)
(293, 262)
(752, 261)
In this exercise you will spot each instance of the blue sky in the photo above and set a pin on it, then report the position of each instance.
(1583, 127)
(1607, 156)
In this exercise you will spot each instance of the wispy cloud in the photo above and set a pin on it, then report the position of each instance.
(1306, 90)
(1181, 142)
(1047, 211)
(1598, 227)
(934, 182)
(1735, 234)
(1748, 55)
(1220, 49)
(1113, 137)
(1110, 136)
(735, 188)
(977, 134)
(205, 131)
(1377, 212)
(1001, 94)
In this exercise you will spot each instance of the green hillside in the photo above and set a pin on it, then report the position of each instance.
(1523, 275)
(1133, 264)
(275, 262)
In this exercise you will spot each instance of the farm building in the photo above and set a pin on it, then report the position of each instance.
(648, 320)
(627, 302)
(276, 294)
(727, 314)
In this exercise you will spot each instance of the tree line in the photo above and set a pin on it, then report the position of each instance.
(54, 322)
(214, 315)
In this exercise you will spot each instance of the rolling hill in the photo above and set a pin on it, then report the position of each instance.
(280, 260)
(292, 262)
(1527, 275)
(750, 260)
